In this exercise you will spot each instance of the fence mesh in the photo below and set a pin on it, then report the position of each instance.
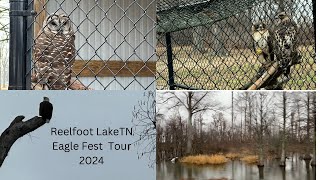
(114, 46)
(212, 46)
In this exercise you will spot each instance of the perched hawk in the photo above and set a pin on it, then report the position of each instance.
(263, 41)
(45, 109)
(276, 45)
(263, 45)
(285, 42)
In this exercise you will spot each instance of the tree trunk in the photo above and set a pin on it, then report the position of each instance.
(241, 126)
(232, 116)
(245, 122)
(299, 122)
(250, 119)
(261, 174)
(292, 126)
(16, 130)
(307, 156)
(307, 159)
(261, 148)
(314, 159)
(283, 172)
(283, 145)
(308, 118)
(190, 128)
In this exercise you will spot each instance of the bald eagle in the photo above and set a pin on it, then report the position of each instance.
(45, 109)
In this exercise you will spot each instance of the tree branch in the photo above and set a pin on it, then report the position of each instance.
(200, 99)
(265, 77)
(16, 130)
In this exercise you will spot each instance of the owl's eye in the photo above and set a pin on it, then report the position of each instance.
(53, 23)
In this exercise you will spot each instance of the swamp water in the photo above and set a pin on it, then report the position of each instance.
(235, 170)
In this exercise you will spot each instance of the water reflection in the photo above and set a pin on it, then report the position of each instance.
(236, 170)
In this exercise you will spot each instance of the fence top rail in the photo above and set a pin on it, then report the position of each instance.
(175, 16)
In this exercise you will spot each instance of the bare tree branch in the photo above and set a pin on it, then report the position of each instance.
(144, 122)
(16, 130)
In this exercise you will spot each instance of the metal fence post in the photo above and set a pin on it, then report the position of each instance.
(314, 19)
(170, 61)
(29, 42)
(17, 42)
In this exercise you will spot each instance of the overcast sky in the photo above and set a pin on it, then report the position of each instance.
(224, 98)
(32, 157)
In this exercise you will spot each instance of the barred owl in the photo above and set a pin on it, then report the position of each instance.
(54, 53)
(285, 42)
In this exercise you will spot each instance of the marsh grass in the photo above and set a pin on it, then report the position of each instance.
(205, 160)
(250, 159)
(233, 156)
(209, 71)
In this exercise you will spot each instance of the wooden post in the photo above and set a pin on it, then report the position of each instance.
(39, 7)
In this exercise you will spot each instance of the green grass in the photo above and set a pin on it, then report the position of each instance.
(207, 71)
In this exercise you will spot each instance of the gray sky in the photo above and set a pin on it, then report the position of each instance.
(33, 158)
(223, 97)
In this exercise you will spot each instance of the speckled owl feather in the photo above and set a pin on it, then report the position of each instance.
(54, 53)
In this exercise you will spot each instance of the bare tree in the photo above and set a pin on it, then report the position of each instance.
(283, 139)
(307, 102)
(4, 64)
(313, 161)
(4, 21)
(244, 103)
(297, 108)
(17, 129)
(193, 103)
(262, 109)
(144, 121)
(232, 115)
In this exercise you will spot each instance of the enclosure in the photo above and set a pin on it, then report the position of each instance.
(114, 42)
(206, 44)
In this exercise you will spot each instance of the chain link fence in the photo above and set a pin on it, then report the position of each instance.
(206, 44)
(84, 44)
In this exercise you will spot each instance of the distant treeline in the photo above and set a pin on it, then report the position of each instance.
(235, 31)
(258, 123)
